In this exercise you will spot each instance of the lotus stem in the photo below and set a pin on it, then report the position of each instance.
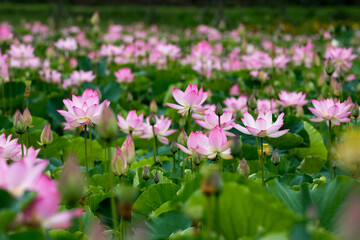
(189, 121)
(86, 158)
(329, 151)
(262, 161)
(174, 164)
(155, 144)
(91, 148)
(22, 145)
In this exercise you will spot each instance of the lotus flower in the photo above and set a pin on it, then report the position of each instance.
(215, 144)
(192, 98)
(124, 75)
(68, 44)
(292, 99)
(263, 126)
(10, 149)
(266, 105)
(191, 143)
(236, 105)
(328, 109)
(83, 110)
(133, 123)
(161, 129)
(211, 120)
(43, 211)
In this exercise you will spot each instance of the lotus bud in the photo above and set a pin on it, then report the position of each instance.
(349, 100)
(182, 123)
(19, 123)
(243, 169)
(330, 67)
(336, 87)
(98, 92)
(269, 91)
(252, 104)
(119, 165)
(158, 161)
(152, 119)
(107, 126)
(219, 110)
(46, 136)
(95, 18)
(275, 158)
(129, 97)
(174, 148)
(182, 139)
(153, 106)
(156, 177)
(196, 158)
(235, 146)
(27, 117)
(341, 75)
(355, 110)
(128, 150)
(212, 183)
(71, 183)
(145, 173)
(235, 90)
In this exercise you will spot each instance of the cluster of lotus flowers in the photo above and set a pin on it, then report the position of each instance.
(21, 171)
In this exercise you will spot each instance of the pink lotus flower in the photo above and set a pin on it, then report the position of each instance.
(342, 57)
(266, 105)
(234, 90)
(330, 110)
(5, 32)
(292, 99)
(124, 75)
(83, 110)
(304, 54)
(133, 123)
(211, 120)
(234, 105)
(263, 126)
(68, 44)
(161, 129)
(214, 145)
(51, 76)
(260, 75)
(43, 211)
(10, 149)
(192, 144)
(77, 77)
(20, 176)
(189, 100)
(22, 56)
(123, 157)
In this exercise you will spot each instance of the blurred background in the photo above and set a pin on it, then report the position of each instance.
(294, 15)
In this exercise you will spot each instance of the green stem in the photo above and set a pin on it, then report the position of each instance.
(3, 94)
(189, 121)
(355, 123)
(183, 164)
(113, 211)
(262, 161)
(208, 220)
(219, 121)
(91, 148)
(329, 151)
(86, 158)
(220, 163)
(174, 165)
(276, 169)
(154, 141)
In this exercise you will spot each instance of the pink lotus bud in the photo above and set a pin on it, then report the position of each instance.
(153, 106)
(95, 18)
(107, 126)
(182, 139)
(19, 123)
(27, 117)
(235, 90)
(128, 149)
(119, 165)
(336, 87)
(46, 136)
(243, 169)
(73, 63)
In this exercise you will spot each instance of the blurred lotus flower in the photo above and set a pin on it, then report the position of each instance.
(349, 218)
(5, 33)
(10, 149)
(260, 75)
(161, 129)
(236, 106)
(68, 44)
(132, 124)
(83, 110)
(124, 75)
(234, 90)
(243, 168)
(292, 99)
(46, 136)
(266, 105)
(348, 150)
(22, 56)
(191, 99)
(211, 120)
(153, 106)
(21, 175)
(27, 117)
(78, 77)
(342, 57)
(328, 109)
(215, 144)
(43, 211)
(95, 18)
(182, 138)
(263, 126)
(107, 127)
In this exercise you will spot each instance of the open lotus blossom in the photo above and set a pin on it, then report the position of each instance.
(78, 77)
(191, 99)
(211, 120)
(68, 44)
(328, 109)
(9, 149)
(262, 126)
(83, 110)
(292, 99)
(44, 210)
(236, 105)
(265, 105)
(161, 129)
(124, 75)
(191, 144)
(132, 124)
(214, 145)
(19, 176)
